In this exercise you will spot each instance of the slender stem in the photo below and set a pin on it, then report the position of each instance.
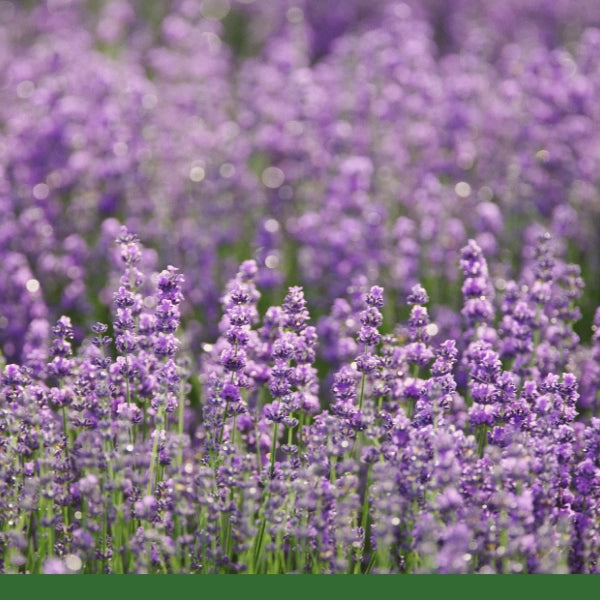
(273, 449)
(364, 519)
(299, 434)
(226, 406)
(225, 416)
(65, 429)
(371, 563)
(481, 439)
(259, 544)
(362, 392)
(181, 412)
(411, 402)
(154, 456)
(411, 407)
(258, 454)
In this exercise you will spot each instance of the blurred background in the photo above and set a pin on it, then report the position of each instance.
(338, 143)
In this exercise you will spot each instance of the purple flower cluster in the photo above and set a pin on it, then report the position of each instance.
(379, 355)
(434, 455)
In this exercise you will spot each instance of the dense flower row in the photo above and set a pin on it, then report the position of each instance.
(453, 455)
(426, 172)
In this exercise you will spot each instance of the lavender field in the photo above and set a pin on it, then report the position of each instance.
(299, 286)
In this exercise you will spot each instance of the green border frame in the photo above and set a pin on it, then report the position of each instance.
(388, 587)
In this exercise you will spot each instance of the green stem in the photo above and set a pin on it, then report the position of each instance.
(181, 411)
(273, 449)
(223, 426)
(332, 474)
(371, 563)
(154, 455)
(299, 434)
(65, 429)
(258, 545)
(362, 392)
(258, 454)
(414, 370)
(481, 439)
(364, 519)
